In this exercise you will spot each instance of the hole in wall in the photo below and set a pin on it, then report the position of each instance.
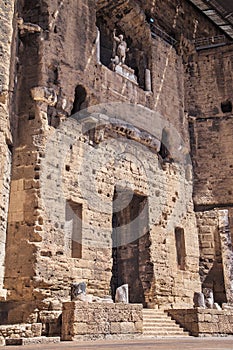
(226, 107)
(79, 99)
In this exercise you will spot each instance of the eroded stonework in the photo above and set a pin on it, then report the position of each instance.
(113, 176)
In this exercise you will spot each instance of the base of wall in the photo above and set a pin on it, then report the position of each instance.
(204, 322)
(89, 321)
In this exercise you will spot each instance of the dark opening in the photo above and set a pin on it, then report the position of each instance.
(79, 99)
(53, 74)
(74, 217)
(136, 57)
(180, 247)
(212, 269)
(226, 107)
(164, 152)
(131, 246)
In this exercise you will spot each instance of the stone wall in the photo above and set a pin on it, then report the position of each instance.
(65, 171)
(209, 105)
(82, 321)
(209, 84)
(200, 322)
(21, 331)
(211, 262)
(212, 161)
(6, 34)
(42, 267)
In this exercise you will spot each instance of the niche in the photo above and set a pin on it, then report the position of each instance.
(74, 217)
(137, 57)
(226, 107)
(164, 152)
(79, 99)
(180, 247)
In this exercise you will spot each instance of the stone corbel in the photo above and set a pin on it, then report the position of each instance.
(28, 27)
(44, 94)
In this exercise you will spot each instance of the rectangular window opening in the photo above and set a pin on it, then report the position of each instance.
(180, 247)
(74, 215)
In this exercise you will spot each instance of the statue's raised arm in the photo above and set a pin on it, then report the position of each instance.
(119, 47)
(115, 37)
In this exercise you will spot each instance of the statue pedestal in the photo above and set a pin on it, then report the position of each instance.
(126, 72)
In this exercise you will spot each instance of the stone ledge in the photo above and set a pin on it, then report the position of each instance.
(29, 341)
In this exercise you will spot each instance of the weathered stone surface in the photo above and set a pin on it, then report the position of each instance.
(60, 176)
(93, 320)
(21, 330)
(30, 341)
(122, 294)
(204, 322)
(199, 300)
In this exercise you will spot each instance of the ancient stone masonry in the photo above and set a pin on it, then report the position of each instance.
(103, 321)
(6, 34)
(116, 164)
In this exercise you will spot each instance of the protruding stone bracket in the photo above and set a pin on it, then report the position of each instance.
(44, 94)
(25, 28)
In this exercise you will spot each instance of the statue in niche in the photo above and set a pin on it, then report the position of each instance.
(119, 50)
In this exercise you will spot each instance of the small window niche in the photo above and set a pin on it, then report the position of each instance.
(74, 217)
(226, 106)
(180, 247)
(79, 99)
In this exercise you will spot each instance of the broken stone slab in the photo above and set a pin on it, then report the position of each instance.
(199, 300)
(29, 341)
(84, 297)
(49, 316)
(216, 306)
(227, 307)
(209, 297)
(78, 289)
(122, 294)
(44, 94)
(28, 27)
(126, 72)
(105, 299)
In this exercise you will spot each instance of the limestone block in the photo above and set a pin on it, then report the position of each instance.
(80, 328)
(127, 328)
(44, 94)
(49, 316)
(36, 329)
(139, 326)
(115, 327)
(2, 341)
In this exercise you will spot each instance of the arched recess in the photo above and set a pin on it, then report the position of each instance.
(130, 20)
(79, 99)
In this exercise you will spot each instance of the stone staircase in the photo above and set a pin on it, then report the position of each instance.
(156, 323)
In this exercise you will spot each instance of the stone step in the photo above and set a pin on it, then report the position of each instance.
(159, 319)
(153, 312)
(159, 333)
(158, 323)
(162, 325)
(167, 335)
(165, 329)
